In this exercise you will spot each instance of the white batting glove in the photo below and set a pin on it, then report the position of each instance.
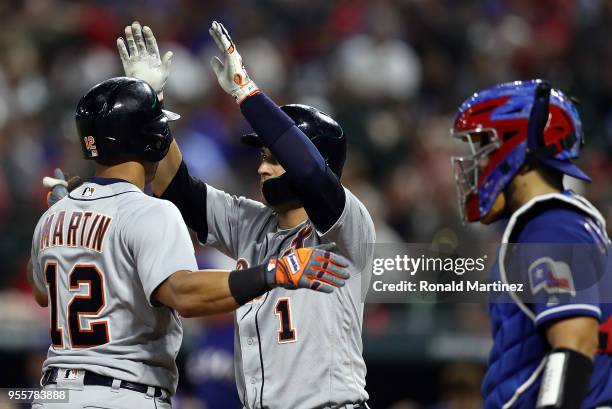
(230, 72)
(143, 61)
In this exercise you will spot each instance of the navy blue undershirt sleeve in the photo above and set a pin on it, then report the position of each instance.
(189, 195)
(317, 187)
(293, 150)
(324, 203)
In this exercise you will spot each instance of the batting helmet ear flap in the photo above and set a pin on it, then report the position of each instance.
(155, 139)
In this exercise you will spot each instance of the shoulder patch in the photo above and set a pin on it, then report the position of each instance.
(553, 277)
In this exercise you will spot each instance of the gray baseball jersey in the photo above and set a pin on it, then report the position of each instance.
(295, 349)
(99, 253)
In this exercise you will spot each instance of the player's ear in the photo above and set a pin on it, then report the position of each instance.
(527, 167)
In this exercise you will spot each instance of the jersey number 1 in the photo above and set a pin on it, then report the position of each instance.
(90, 304)
(286, 332)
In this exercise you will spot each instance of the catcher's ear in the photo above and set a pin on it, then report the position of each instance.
(526, 168)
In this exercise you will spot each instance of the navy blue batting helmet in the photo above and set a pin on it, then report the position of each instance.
(121, 119)
(325, 133)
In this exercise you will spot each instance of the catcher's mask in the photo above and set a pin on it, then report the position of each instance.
(505, 125)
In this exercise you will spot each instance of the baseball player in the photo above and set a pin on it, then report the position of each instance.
(552, 345)
(292, 350)
(115, 266)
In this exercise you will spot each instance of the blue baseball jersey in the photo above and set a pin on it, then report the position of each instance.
(561, 257)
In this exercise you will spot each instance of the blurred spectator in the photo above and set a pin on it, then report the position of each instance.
(460, 386)
(405, 404)
(210, 365)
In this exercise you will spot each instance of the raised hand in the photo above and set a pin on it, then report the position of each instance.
(230, 72)
(141, 57)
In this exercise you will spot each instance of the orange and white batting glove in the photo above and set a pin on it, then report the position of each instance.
(230, 72)
(314, 268)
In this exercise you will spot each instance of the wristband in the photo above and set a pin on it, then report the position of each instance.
(565, 380)
(250, 283)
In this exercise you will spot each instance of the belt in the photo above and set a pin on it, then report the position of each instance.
(90, 378)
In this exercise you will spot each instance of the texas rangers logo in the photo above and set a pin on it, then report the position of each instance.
(554, 277)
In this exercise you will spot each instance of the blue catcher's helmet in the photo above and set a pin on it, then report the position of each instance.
(504, 125)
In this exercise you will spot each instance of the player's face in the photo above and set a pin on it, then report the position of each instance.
(268, 167)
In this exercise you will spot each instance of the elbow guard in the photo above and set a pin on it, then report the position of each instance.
(189, 195)
(565, 380)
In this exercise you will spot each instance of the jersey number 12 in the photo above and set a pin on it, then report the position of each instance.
(90, 304)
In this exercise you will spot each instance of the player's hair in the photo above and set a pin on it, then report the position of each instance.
(552, 176)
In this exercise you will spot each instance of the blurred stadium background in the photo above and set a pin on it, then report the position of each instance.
(391, 72)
